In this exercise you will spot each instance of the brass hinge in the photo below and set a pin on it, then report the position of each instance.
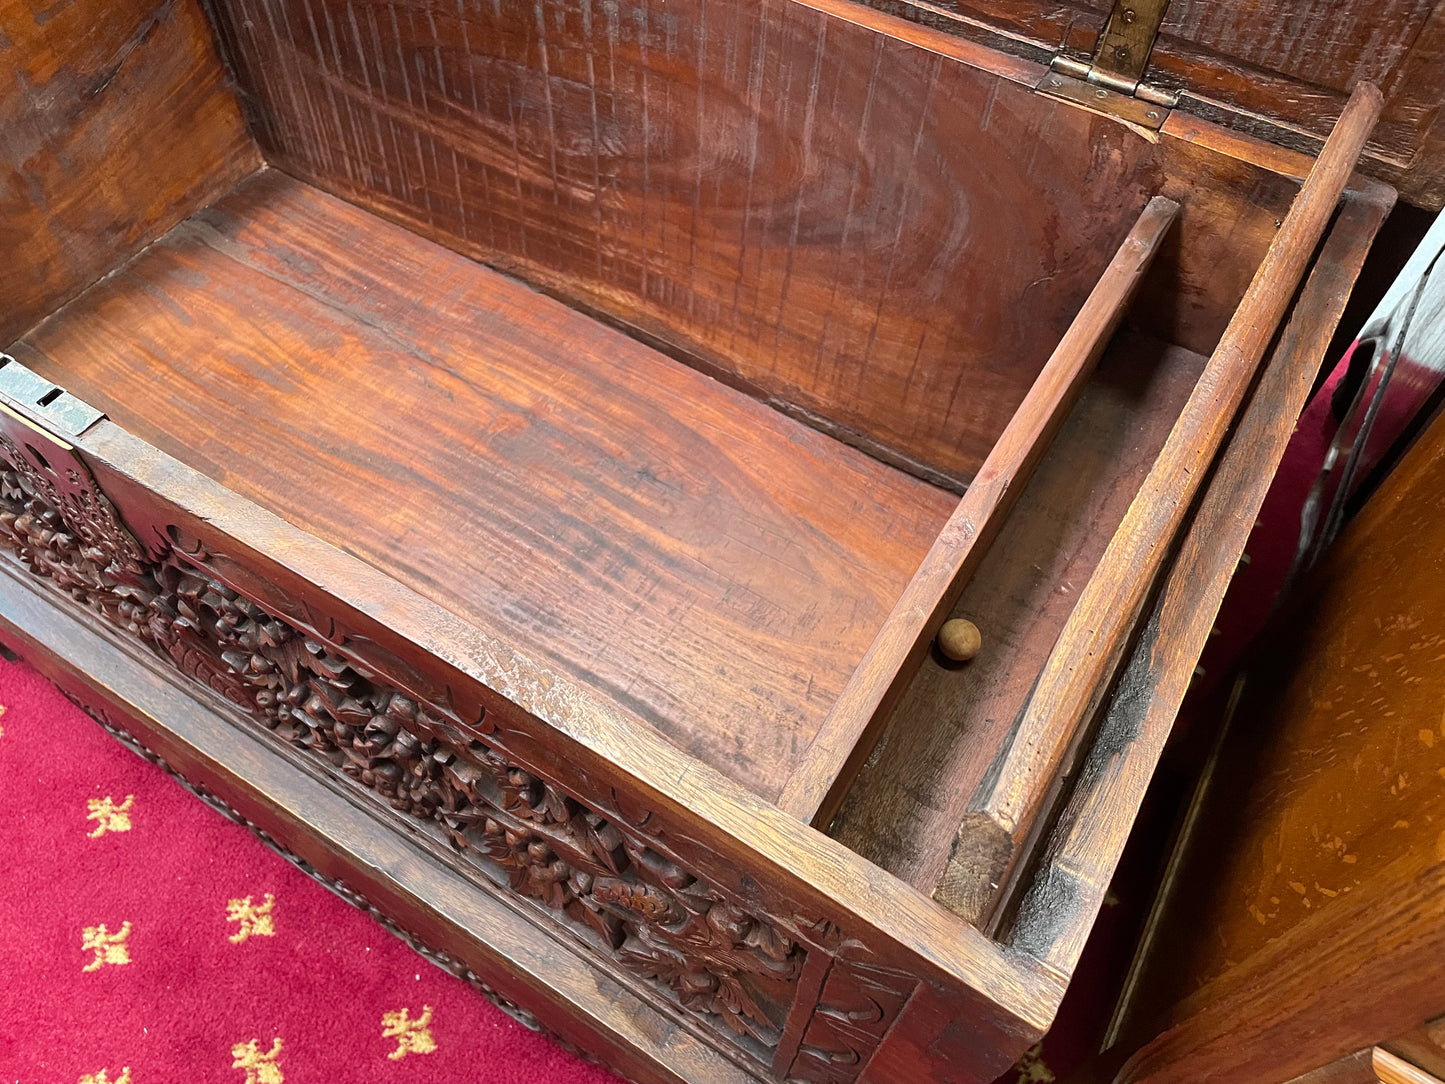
(1110, 83)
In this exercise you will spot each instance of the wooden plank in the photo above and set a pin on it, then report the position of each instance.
(1280, 70)
(1003, 815)
(1390, 1069)
(692, 556)
(1329, 781)
(856, 227)
(997, 1003)
(847, 736)
(906, 805)
(115, 123)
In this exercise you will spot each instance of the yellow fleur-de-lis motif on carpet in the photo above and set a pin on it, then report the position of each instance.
(103, 1077)
(412, 1036)
(261, 1068)
(255, 918)
(109, 948)
(108, 816)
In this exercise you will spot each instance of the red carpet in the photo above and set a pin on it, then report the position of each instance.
(145, 938)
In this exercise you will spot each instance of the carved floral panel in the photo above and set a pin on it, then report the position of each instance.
(651, 915)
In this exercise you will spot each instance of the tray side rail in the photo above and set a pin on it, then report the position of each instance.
(1005, 814)
(820, 781)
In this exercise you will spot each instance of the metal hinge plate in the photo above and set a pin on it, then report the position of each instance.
(1110, 82)
(46, 403)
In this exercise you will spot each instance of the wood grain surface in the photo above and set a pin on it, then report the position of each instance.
(1281, 70)
(1002, 815)
(1078, 861)
(906, 804)
(886, 239)
(115, 123)
(847, 737)
(693, 556)
(1319, 872)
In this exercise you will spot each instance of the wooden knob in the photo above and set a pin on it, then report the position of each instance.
(959, 639)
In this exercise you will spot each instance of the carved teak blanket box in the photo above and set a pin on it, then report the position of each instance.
(520, 456)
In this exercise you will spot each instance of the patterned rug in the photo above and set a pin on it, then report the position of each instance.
(146, 939)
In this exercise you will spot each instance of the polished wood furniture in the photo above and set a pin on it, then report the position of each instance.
(1302, 919)
(511, 456)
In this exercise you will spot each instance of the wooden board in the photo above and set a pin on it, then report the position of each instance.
(115, 123)
(1318, 870)
(1280, 69)
(876, 232)
(691, 555)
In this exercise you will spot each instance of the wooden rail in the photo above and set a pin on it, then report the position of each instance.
(1003, 815)
(822, 777)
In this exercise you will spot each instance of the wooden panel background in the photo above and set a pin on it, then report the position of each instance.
(1279, 68)
(115, 123)
(858, 226)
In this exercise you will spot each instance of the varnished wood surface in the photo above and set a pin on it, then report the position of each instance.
(1318, 871)
(945, 734)
(886, 238)
(978, 1005)
(1083, 849)
(1002, 815)
(115, 123)
(948, 728)
(1281, 70)
(1392, 1069)
(694, 557)
(821, 780)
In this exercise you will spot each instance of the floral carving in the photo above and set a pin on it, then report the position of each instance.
(69, 493)
(654, 917)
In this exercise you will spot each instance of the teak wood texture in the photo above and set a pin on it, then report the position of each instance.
(1003, 816)
(699, 560)
(808, 206)
(516, 611)
(1279, 70)
(115, 123)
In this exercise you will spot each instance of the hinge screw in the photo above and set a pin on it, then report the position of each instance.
(1101, 94)
(1055, 81)
(1122, 52)
(1153, 114)
(1129, 15)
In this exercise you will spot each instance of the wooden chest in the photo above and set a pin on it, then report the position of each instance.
(511, 455)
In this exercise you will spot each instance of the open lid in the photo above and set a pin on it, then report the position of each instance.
(1277, 69)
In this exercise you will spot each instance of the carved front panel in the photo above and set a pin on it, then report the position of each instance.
(606, 875)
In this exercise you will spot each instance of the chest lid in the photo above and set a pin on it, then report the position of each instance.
(1279, 70)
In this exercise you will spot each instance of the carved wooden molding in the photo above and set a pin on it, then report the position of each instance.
(652, 916)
